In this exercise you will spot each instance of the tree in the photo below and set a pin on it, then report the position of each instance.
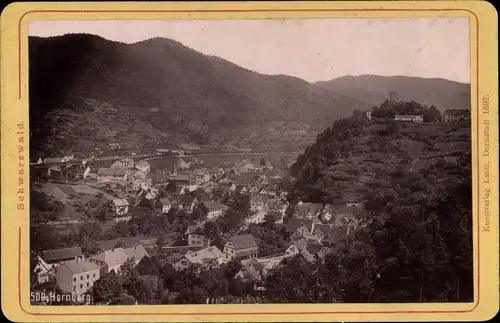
(270, 220)
(172, 215)
(106, 288)
(211, 230)
(122, 228)
(171, 187)
(200, 212)
(129, 276)
(432, 115)
(123, 299)
(148, 266)
(169, 276)
(147, 203)
(148, 290)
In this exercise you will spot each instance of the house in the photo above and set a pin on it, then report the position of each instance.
(241, 247)
(214, 209)
(301, 233)
(143, 166)
(456, 115)
(247, 166)
(181, 190)
(110, 259)
(344, 215)
(138, 179)
(181, 164)
(188, 202)
(127, 163)
(277, 206)
(258, 202)
(321, 230)
(241, 189)
(55, 257)
(327, 213)
(233, 187)
(409, 118)
(91, 174)
(308, 210)
(136, 253)
(149, 193)
(216, 172)
(43, 271)
(254, 189)
(125, 242)
(161, 179)
(299, 247)
(120, 206)
(209, 257)
(336, 235)
(111, 175)
(184, 180)
(251, 270)
(201, 176)
(87, 172)
(166, 205)
(77, 276)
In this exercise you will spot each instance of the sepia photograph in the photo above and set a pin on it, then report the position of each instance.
(250, 161)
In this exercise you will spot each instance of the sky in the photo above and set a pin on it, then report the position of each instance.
(311, 49)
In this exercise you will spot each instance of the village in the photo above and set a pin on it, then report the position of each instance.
(215, 215)
(310, 228)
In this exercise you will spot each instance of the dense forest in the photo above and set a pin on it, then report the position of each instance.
(416, 244)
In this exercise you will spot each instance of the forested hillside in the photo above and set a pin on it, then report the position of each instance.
(416, 244)
(87, 92)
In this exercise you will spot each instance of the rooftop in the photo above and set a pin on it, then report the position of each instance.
(213, 205)
(243, 242)
(56, 255)
(120, 202)
(78, 266)
(112, 171)
(136, 252)
(204, 255)
(112, 257)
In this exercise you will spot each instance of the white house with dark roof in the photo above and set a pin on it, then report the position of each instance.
(111, 175)
(166, 204)
(241, 247)
(214, 209)
(43, 271)
(110, 260)
(77, 277)
(120, 206)
(409, 118)
(209, 257)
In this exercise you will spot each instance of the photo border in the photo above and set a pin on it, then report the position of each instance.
(15, 223)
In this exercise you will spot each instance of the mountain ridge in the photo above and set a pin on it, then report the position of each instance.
(197, 97)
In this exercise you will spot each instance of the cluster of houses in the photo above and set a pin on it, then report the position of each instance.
(75, 274)
(449, 116)
(313, 229)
